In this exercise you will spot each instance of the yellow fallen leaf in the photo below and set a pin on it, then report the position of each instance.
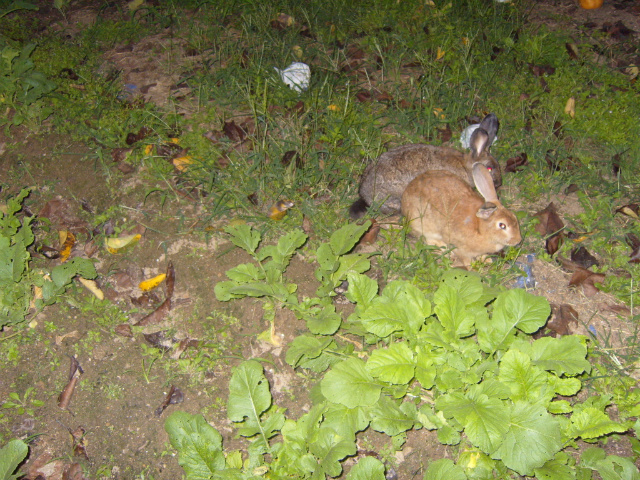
(570, 107)
(439, 54)
(632, 70)
(67, 241)
(175, 140)
(92, 286)
(114, 244)
(465, 40)
(148, 149)
(182, 163)
(297, 51)
(135, 4)
(33, 324)
(279, 209)
(152, 283)
(333, 108)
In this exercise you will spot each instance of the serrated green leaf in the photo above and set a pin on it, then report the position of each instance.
(425, 370)
(512, 309)
(245, 273)
(367, 468)
(199, 445)
(592, 423)
(344, 239)
(244, 236)
(564, 386)
(563, 356)
(532, 440)
(444, 469)
(394, 364)
(617, 468)
(349, 384)
(389, 418)
(222, 291)
(526, 381)
(306, 346)
(453, 313)
(249, 397)
(485, 420)
(555, 470)
(559, 407)
(330, 448)
(345, 421)
(362, 289)
(323, 321)
(447, 435)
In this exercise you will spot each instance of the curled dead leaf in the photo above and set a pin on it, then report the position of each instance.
(562, 317)
(117, 245)
(92, 286)
(587, 279)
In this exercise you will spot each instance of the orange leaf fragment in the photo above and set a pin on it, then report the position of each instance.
(182, 163)
(67, 240)
(152, 283)
(279, 209)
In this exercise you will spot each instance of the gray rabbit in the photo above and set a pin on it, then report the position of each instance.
(384, 180)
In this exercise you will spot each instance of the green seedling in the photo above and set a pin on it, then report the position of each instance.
(23, 405)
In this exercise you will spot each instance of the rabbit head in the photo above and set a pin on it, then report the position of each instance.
(445, 210)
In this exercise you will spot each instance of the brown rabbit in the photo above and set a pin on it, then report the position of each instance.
(445, 210)
(384, 180)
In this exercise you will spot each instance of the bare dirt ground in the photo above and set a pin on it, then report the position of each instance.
(116, 399)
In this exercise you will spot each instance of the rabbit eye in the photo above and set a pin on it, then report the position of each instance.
(503, 226)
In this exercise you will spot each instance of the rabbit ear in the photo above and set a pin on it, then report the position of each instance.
(486, 210)
(482, 138)
(478, 142)
(484, 182)
(490, 124)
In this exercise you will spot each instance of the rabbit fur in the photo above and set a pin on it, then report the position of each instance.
(445, 210)
(384, 180)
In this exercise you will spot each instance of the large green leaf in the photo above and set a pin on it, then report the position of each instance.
(362, 289)
(330, 448)
(244, 237)
(444, 469)
(367, 468)
(533, 439)
(566, 355)
(12, 455)
(526, 381)
(485, 420)
(452, 312)
(512, 309)
(349, 384)
(199, 445)
(249, 397)
(591, 423)
(346, 421)
(394, 364)
(390, 418)
(344, 239)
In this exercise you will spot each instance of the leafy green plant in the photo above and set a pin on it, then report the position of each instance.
(11, 455)
(23, 405)
(265, 279)
(459, 361)
(17, 280)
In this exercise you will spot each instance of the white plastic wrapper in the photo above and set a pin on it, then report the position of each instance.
(465, 137)
(296, 76)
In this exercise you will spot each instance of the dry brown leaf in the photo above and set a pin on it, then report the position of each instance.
(174, 396)
(631, 210)
(124, 330)
(515, 163)
(562, 316)
(583, 258)
(587, 279)
(75, 372)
